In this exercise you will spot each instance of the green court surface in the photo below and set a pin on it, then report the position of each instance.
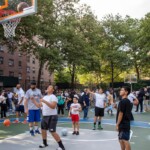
(140, 139)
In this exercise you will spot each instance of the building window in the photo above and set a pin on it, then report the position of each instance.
(28, 69)
(1, 73)
(20, 76)
(28, 78)
(1, 48)
(11, 62)
(11, 52)
(19, 63)
(11, 74)
(33, 69)
(1, 60)
(28, 59)
(33, 61)
(19, 54)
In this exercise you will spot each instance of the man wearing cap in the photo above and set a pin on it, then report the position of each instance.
(31, 109)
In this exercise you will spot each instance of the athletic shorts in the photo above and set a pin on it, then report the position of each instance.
(75, 118)
(34, 116)
(20, 108)
(99, 112)
(124, 135)
(49, 123)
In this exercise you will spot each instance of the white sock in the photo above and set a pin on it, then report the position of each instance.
(36, 127)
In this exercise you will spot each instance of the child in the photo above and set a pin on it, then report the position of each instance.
(75, 108)
(110, 103)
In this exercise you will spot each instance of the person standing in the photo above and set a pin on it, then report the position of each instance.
(86, 103)
(74, 113)
(31, 109)
(100, 104)
(140, 97)
(10, 97)
(61, 104)
(123, 119)
(50, 117)
(20, 103)
(3, 105)
(134, 101)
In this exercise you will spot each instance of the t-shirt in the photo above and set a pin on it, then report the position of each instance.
(36, 93)
(10, 95)
(2, 99)
(124, 107)
(131, 97)
(100, 99)
(20, 95)
(86, 99)
(74, 108)
(60, 100)
(46, 110)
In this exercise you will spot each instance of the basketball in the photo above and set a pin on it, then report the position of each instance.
(64, 132)
(7, 122)
(21, 6)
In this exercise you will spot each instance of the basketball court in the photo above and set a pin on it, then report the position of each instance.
(88, 139)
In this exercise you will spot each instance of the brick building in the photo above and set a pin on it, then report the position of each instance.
(25, 68)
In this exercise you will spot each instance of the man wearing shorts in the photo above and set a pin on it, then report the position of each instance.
(100, 104)
(20, 103)
(31, 109)
(50, 117)
(123, 119)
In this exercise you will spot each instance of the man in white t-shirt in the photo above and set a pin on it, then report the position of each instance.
(20, 104)
(134, 101)
(49, 122)
(100, 104)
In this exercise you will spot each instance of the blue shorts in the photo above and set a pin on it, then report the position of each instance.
(124, 135)
(34, 116)
(20, 108)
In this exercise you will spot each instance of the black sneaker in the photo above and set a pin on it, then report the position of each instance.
(77, 133)
(74, 133)
(94, 128)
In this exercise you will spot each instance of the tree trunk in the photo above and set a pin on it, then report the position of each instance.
(39, 74)
(73, 76)
(137, 71)
(112, 75)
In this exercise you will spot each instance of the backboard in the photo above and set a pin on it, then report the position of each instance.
(12, 9)
(130, 78)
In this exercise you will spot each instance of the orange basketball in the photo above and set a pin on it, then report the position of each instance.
(7, 122)
(21, 6)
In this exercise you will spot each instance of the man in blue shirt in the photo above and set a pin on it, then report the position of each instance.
(86, 103)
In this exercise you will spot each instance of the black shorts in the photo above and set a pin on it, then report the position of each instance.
(20, 108)
(49, 123)
(99, 112)
(124, 135)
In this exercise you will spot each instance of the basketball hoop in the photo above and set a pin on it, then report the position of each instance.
(10, 25)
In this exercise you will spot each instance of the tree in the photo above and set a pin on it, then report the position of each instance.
(40, 34)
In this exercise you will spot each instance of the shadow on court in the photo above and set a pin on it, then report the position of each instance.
(88, 139)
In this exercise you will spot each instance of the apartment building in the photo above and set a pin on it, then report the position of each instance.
(24, 67)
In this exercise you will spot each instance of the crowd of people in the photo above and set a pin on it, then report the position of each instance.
(54, 102)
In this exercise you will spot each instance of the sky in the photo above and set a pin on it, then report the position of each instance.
(133, 8)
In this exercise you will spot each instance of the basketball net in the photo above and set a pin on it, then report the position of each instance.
(10, 26)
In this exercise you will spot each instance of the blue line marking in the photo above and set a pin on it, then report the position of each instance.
(139, 124)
